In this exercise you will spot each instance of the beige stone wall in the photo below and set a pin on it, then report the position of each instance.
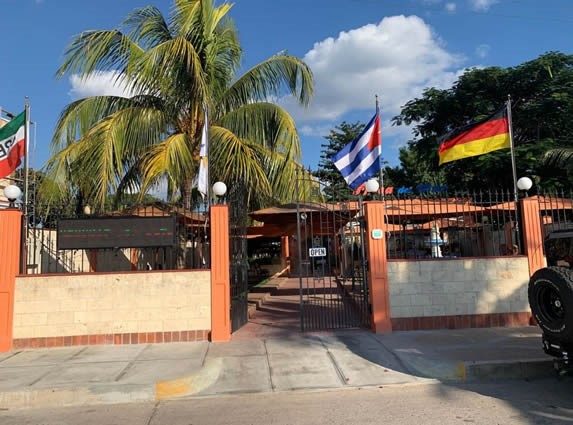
(458, 287)
(92, 304)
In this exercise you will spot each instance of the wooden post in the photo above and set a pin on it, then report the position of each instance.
(10, 236)
(220, 274)
(532, 233)
(377, 267)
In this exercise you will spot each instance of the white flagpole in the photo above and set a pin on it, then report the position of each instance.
(203, 177)
(207, 153)
(514, 169)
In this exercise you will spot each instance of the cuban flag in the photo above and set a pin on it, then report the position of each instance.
(359, 160)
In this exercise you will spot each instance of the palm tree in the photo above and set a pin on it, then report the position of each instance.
(178, 68)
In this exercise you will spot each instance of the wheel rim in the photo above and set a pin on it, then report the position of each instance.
(550, 304)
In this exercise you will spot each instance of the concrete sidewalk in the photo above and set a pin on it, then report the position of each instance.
(290, 362)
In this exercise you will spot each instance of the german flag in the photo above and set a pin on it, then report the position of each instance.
(477, 138)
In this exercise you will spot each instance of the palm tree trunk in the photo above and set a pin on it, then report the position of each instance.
(187, 193)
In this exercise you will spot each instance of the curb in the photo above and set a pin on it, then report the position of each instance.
(514, 369)
(476, 371)
(77, 396)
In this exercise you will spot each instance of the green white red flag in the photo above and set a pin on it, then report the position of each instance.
(12, 144)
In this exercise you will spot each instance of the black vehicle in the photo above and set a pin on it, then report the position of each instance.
(551, 298)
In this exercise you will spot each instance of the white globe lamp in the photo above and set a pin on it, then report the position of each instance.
(219, 190)
(12, 193)
(372, 186)
(524, 183)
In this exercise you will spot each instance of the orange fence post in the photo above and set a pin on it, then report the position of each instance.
(285, 252)
(532, 234)
(10, 235)
(133, 255)
(220, 274)
(377, 267)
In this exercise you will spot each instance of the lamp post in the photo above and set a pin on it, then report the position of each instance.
(12, 193)
(220, 189)
(524, 183)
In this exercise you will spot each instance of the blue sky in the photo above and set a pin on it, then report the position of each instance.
(355, 48)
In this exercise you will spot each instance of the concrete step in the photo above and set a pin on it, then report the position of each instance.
(258, 298)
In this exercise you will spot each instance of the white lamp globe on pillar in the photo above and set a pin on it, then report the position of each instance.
(220, 189)
(12, 193)
(372, 186)
(524, 183)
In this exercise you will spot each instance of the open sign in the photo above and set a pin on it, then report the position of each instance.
(317, 252)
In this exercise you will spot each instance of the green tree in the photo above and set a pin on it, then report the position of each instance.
(335, 187)
(542, 93)
(108, 145)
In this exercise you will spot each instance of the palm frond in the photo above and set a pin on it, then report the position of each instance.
(79, 116)
(57, 186)
(147, 27)
(99, 50)
(173, 69)
(561, 158)
(172, 158)
(268, 79)
(237, 161)
(266, 124)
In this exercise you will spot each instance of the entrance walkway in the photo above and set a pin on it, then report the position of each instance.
(278, 316)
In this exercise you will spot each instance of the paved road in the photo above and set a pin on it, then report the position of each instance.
(508, 403)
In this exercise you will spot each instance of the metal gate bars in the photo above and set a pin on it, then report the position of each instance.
(331, 264)
(238, 256)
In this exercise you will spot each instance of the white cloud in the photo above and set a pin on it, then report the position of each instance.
(482, 50)
(397, 59)
(450, 7)
(482, 5)
(101, 83)
(317, 130)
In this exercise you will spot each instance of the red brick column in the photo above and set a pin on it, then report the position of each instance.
(375, 235)
(220, 274)
(10, 234)
(532, 234)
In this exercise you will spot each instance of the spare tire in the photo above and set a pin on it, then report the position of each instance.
(551, 300)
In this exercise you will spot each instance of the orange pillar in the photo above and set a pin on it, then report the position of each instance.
(10, 233)
(285, 252)
(133, 253)
(375, 235)
(532, 234)
(220, 275)
(93, 260)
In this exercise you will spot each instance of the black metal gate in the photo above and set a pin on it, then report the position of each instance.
(239, 257)
(331, 261)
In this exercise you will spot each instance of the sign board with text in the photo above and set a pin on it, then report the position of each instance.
(116, 232)
(317, 252)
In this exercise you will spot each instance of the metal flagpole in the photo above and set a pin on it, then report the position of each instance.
(24, 243)
(380, 147)
(514, 170)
